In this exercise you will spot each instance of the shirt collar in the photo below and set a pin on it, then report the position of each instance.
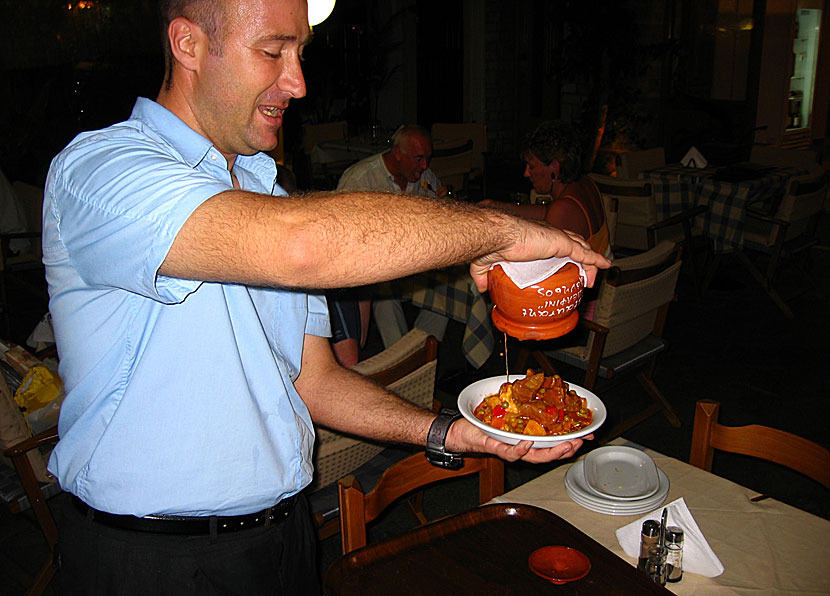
(192, 146)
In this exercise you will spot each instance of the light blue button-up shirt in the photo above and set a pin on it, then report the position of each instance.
(180, 395)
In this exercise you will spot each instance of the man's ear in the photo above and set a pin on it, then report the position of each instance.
(188, 42)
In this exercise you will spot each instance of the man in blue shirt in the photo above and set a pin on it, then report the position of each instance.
(193, 355)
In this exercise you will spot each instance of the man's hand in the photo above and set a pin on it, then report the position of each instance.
(541, 241)
(463, 437)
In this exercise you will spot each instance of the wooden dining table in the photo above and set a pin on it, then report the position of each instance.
(766, 547)
(483, 551)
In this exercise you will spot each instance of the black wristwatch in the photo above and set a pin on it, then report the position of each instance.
(436, 454)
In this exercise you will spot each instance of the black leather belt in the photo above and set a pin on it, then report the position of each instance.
(177, 524)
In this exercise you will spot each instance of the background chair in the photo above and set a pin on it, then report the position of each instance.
(639, 226)
(454, 165)
(448, 134)
(625, 335)
(36, 499)
(780, 235)
(358, 509)
(767, 155)
(754, 440)
(324, 175)
(631, 163)
(24, 271)
(407, 368)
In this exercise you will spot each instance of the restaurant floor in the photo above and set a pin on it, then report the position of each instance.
(733, 346)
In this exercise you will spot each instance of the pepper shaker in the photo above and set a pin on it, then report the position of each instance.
(674, 558)
(648, 538)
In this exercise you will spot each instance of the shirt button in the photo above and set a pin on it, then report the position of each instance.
(212, 157)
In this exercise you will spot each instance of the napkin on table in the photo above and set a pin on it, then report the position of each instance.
(527, 273)
(698, 556)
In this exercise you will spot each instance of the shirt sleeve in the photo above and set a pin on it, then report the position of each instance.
(120, 206)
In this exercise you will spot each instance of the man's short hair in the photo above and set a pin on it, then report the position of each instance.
(556, 140)
(409, 130)
(209, 15)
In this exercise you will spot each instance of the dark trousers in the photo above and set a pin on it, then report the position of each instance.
(97, 559)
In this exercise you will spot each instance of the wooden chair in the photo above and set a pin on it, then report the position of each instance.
(625, 335)
(454, 165)
(407, 368)
(632, 163)
(755, 440)
(358, 509)
(18, 454)
(782, 235)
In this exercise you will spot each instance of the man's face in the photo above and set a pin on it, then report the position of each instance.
(539, 174)
(414, 153)
(240, 96)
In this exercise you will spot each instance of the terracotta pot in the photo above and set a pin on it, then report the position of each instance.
(540, 311)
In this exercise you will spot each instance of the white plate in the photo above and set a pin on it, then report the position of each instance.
(611, 509)
(578, 491)
(621, 473)
(472, 395)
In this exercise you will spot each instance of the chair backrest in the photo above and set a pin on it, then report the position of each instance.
(802, 202)
(453, 165)
(780, 157)
(446, 134)
(406, 368)
(632, 163)
(754, 440)
(636, 209)
(634, 296)
(358, 509)
(318, 133)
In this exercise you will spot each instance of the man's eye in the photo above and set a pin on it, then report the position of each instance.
(272, 55)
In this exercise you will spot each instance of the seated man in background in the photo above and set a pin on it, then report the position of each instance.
(404, 169)
(553, 162)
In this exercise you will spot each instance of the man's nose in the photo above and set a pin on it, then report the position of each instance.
(292, 80)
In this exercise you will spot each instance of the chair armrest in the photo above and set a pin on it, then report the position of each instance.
(760, 215)
(680, 217)
(50, 435)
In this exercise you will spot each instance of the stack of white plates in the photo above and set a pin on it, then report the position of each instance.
(617, 481)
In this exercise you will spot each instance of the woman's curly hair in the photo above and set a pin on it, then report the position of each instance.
(559, 141)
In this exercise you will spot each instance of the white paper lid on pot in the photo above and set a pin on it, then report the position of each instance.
(527, 273)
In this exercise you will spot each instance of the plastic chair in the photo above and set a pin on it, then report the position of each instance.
(407, 368)
(783, 233)
(358, 509)
(632, 163)
(763, 442)
(625, 335)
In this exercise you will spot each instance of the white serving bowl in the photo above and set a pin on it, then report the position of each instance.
(472, 395)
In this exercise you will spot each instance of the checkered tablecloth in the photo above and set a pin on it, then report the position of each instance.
(451, 292)
(677, 188)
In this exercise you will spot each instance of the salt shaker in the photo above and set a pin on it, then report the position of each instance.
(674, 557)
(649, 537)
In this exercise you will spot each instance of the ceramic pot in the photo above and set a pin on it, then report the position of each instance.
(540, 311)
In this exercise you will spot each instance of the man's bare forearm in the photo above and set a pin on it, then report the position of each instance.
(326, 240)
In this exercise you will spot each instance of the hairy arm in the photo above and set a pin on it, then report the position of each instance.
(343, 239)
(343, 400)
